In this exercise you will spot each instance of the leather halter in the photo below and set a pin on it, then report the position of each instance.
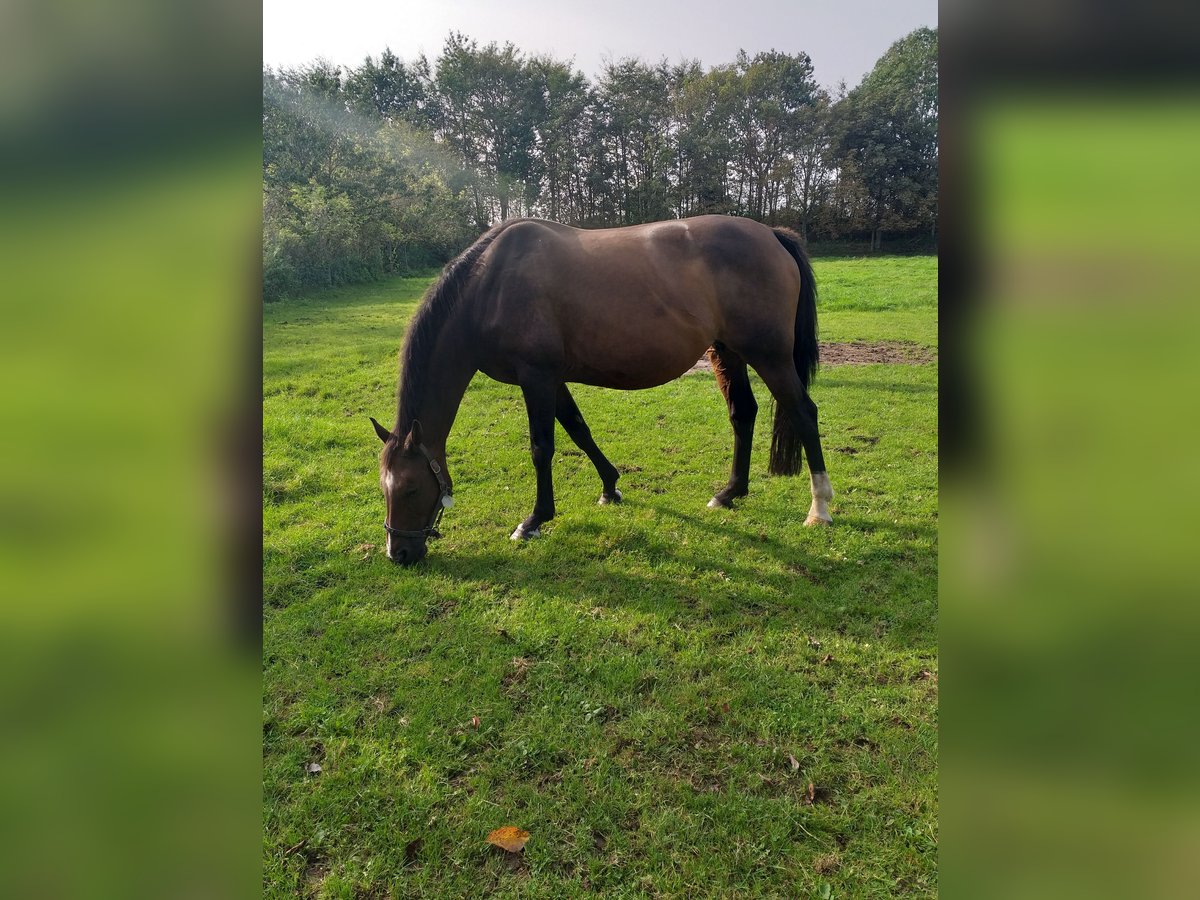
(445, 499)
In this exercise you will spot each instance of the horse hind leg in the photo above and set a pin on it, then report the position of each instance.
(796, 427)
(734, 383)
(571, 419)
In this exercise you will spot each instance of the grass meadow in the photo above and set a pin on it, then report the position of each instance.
(674, 701)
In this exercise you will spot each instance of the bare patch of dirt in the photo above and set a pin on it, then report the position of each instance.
(860, 353)
(825, 864)
(315, 874)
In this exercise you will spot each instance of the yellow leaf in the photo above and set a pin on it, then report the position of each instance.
(509, 838)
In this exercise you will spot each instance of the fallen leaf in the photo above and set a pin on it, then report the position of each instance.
(811, 794)
(925, 675)
(292, 849)
(474, 721)
(793, 762)
(403, 721)
(725, 708)
(816, 645)
(827, 658)
(312, 768)
(509, 838)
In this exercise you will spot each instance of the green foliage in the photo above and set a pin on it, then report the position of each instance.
(887, 135)
(643, 674)
(488, 104)
(392, 166)
(393, 90)
(347, 196)
(635, 112)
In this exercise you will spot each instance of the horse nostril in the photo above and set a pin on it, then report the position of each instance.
(400, 556)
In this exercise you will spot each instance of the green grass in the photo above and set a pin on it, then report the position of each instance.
(642, 674)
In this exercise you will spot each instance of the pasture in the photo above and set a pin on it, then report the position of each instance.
(674, 701)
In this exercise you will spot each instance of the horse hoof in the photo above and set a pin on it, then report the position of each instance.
(718, 503)
(522, 535)
(606, 499)
(816, 520)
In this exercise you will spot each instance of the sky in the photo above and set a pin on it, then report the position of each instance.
(843, 37)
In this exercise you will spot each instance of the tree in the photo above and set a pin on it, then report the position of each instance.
(348, 195)
(633, 100)
(703, 105)
(774, 90)
(560, 98)
(812, 173)
(886, 136)
(396, 165)
(487, 96)
(392, 90)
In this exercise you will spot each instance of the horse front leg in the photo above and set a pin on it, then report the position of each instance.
(539, 405)
(571, 419)
(734, 383)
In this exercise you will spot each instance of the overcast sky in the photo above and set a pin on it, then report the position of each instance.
(843, 37)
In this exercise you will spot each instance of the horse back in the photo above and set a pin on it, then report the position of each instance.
(629, 307)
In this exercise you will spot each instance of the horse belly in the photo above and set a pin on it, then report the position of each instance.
(635, 358)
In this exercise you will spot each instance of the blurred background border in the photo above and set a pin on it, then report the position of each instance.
(1070, 133)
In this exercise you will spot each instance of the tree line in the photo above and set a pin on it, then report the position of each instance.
(395, 166)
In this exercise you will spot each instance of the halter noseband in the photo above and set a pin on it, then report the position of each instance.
(444, 501)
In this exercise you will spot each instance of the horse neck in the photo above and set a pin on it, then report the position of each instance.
(448, 371)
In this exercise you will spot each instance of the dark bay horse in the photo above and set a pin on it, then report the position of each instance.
(539, 305)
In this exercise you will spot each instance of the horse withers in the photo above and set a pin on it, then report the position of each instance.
(542, 305)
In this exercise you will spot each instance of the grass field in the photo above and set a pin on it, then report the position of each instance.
(651, 688)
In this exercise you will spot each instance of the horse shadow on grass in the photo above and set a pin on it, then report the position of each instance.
(770, 582)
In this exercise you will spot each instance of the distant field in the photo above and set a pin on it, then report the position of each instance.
(649, 689)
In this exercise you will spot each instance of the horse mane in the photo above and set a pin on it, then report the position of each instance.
(436, 307)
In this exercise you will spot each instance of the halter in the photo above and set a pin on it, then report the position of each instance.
(444, 501)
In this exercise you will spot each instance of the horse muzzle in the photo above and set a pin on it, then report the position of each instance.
(407, 553)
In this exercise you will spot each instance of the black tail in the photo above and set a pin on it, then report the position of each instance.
(785, 439)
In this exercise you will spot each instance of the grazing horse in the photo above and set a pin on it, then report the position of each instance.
(539, 305)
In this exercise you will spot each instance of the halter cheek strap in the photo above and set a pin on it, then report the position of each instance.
(444, 501)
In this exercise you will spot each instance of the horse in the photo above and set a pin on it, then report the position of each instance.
(541, 305)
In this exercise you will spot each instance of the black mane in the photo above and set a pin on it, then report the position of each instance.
(437, 305)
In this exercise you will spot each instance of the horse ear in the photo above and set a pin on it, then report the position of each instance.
(384, 434)
(414, 439)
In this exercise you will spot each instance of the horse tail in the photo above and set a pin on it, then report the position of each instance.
(785, 438)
